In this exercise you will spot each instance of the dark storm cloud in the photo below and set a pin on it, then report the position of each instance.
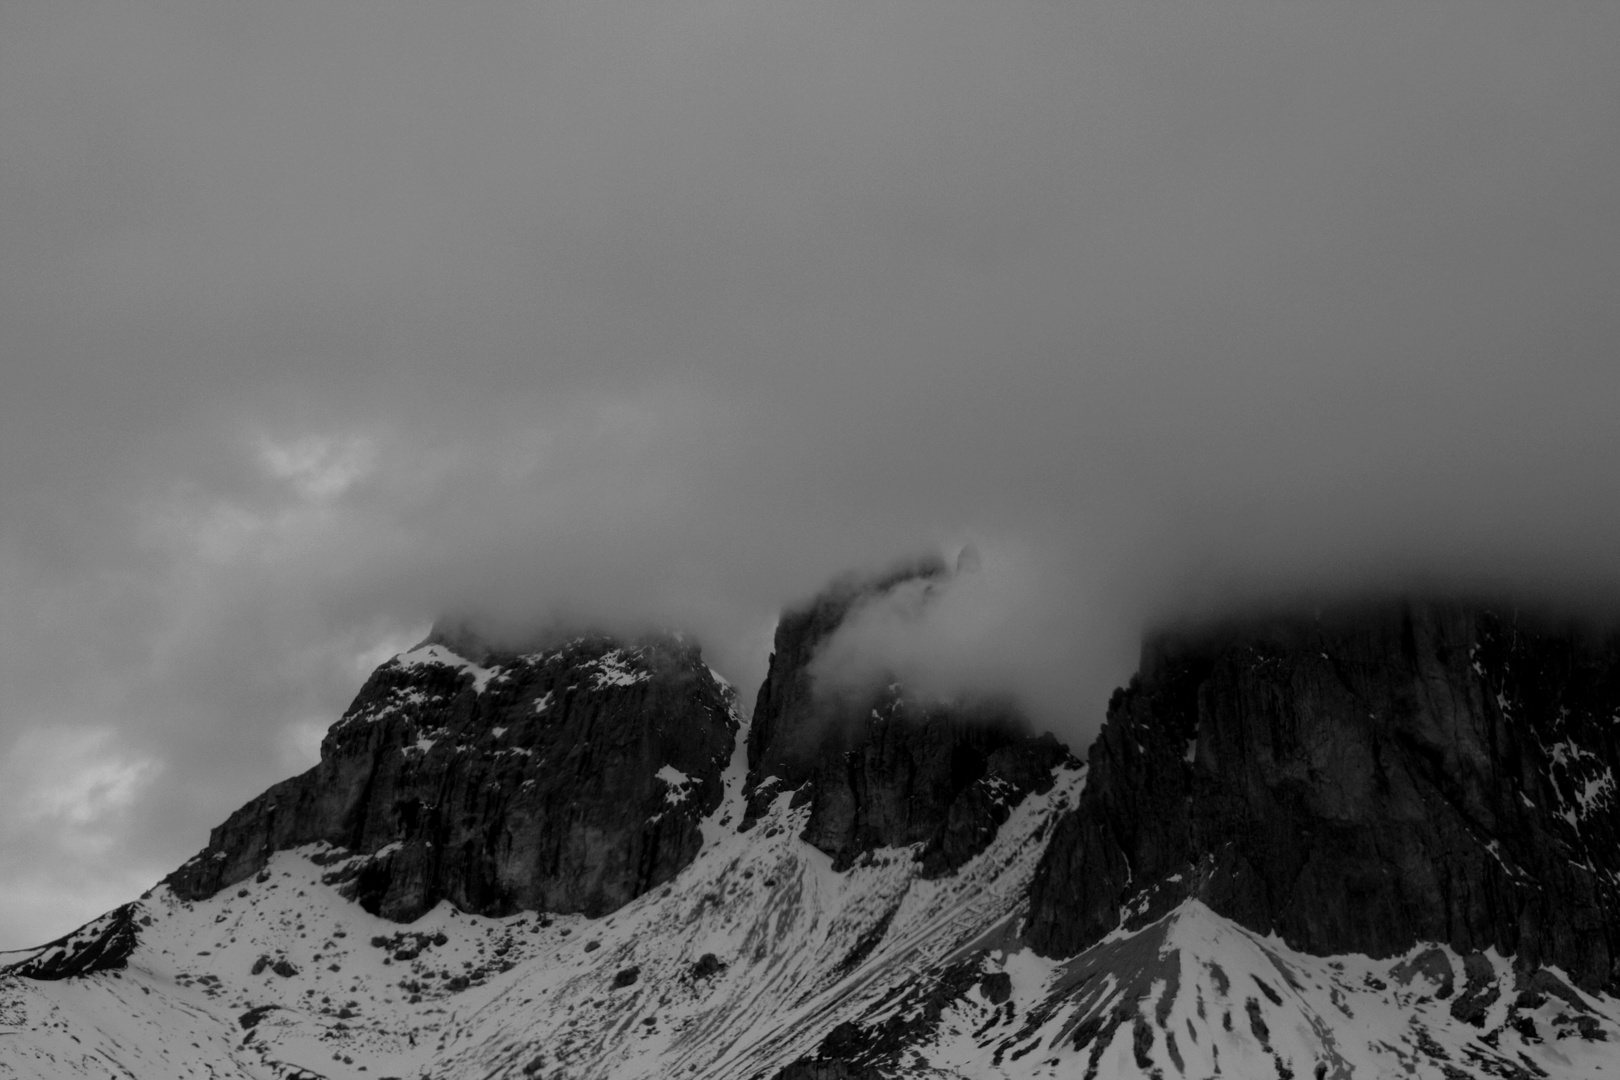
(320, 320)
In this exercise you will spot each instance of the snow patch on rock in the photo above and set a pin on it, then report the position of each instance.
(436, 654)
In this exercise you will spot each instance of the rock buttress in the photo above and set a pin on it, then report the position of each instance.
(1359, 782)
(879, 767)
(570, 779)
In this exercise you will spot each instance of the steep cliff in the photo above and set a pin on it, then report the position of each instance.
(878, 766)
(572, 778)
(1358, 782)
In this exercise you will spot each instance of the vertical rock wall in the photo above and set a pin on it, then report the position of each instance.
(1358, 782)
(567, 779)
(879, 767)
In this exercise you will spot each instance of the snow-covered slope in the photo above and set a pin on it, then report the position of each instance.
(736, 968)
(1197, 995)
(759, 955)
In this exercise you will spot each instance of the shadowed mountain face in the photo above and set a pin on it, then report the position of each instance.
(880, 768)
(1358, 783)
(570, 779)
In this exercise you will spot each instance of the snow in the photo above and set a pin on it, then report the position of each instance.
(1202, 996)
(1598, 791)
(425, 655)
(1495, 849)
(618, 668)
(1582, 783)
(680, 785)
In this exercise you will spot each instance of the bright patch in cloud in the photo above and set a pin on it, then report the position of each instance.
(76, 780)
(318, 468)
(995, 628)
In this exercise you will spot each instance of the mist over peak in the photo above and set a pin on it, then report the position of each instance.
(987, 624)
(328, 324)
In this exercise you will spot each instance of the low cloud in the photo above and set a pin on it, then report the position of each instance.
(999, 623)
(318, 468)
(328, 322)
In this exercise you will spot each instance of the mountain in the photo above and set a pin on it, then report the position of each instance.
(568, 779)
(1376, 841)
(1361, 783)
(876, 767)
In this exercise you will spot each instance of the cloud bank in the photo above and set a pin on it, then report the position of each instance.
(998, 623)
(321, 322)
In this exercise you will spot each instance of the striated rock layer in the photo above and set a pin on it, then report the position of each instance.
(1359, 782)
(569, 779)
(881, 768)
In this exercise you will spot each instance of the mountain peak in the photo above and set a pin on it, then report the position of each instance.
(1360, 781)
(1377, 839)
(517, 780)
(877, 766)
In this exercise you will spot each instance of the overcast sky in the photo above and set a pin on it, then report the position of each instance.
(317, 320)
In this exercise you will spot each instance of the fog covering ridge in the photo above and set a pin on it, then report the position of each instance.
(328, 322)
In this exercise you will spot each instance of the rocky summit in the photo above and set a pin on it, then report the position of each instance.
(877, 767)
(1359, 783)
(1374, 840)
(568, 779)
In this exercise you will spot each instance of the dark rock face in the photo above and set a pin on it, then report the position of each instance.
(880, 768)
(570, 779)
(1359, 782)
(791, 728)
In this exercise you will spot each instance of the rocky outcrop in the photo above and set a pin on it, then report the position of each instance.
(567, 779)
(878, 766)
(1358, 782)
(830, 1070)
(103, 944)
